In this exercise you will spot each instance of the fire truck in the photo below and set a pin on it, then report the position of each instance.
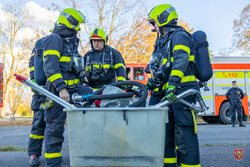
(136, 72)
(226, 70)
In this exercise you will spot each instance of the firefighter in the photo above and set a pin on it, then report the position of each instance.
(62, 66)
(235, 95)
(172, 73)
(103, 64)
(38, 124)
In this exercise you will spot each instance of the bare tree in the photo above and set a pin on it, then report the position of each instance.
(112, 15)
(15, 97)
(72, 3)
(15, 52)
(241, 37)
(99, 6)
(137, 45)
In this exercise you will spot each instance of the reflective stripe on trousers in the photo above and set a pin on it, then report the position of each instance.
(38, 137)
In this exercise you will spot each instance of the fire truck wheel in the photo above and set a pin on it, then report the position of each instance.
(225, 115)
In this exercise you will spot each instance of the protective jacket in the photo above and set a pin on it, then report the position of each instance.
(171, 64)
(104, 67)
(235, 95)
(62, 62)
(172, 60)
(62, 66)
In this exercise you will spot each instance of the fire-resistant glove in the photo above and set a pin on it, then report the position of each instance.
(46, 104)
(170, 94)
(150, 84)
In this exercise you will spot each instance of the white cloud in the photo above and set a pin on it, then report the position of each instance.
(27, 33)
(40, 19)
(41, 15)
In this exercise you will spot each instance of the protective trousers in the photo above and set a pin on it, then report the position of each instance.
(38, 127)
(236, 107)
(181, 143)
(55, 118)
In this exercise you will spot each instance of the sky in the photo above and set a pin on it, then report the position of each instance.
(215, 17)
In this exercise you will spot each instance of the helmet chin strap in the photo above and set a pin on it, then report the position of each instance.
(64, 30)
(162, 31)
(153, 30)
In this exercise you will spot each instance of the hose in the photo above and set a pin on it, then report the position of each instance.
(142, 93)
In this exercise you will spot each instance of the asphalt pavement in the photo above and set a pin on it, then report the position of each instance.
(217, 144)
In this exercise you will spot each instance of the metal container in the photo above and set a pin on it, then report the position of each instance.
(117, 137)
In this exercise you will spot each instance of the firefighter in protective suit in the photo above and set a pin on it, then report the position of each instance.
(235, 95)
(103, 64)
(38, 123)
(172, 73)
(62, 66)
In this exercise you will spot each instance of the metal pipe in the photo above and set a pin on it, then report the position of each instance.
(180, 97)
(44, 91)
(203, 105)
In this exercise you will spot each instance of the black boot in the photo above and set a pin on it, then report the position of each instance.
(242, 125)
(34, 161)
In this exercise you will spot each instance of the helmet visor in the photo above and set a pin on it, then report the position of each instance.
(71, 19)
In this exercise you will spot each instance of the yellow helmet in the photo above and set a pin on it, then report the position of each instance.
(98, 33)
(163, 14)
(71, 18)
